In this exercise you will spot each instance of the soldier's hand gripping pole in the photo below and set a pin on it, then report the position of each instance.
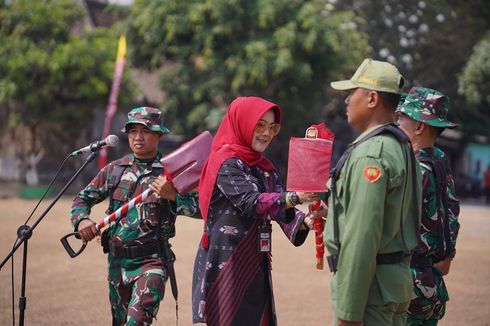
(123, 210)
(169, 259)
(169, 262)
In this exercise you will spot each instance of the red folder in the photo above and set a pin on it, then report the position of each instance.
(309, 160)
(184, 164)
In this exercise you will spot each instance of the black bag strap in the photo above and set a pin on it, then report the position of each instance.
(392, 129)
(445, 245)
(168, 257)
(417, 218)
(113, 182)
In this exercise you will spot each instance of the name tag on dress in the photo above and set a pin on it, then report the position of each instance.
(265, 232)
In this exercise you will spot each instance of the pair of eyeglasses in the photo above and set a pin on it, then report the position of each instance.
(273, 127)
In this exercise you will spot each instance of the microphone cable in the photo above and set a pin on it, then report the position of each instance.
(25, 223)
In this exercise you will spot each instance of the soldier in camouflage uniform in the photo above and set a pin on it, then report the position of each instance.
(137, 269)
(422, 115)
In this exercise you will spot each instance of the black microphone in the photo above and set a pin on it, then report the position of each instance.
(110, 141)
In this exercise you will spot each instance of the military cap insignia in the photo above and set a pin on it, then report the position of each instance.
(372, 173)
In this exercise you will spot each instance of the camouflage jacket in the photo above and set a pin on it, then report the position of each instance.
(139, 225)
(429, 232)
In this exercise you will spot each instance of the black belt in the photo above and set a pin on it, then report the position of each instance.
(131, 252)
(421, 261)
(381, 259)
(391, 258)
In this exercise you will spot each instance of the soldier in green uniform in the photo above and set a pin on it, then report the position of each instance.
(422, 115)
(374, 206)
(136, 242)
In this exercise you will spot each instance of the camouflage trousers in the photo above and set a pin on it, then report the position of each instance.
(428, 304)
(135, 295)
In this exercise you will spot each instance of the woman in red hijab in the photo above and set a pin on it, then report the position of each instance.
(240, 192)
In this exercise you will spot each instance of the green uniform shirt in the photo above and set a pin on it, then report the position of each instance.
(374, 194)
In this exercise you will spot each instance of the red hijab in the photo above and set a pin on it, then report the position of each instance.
(234, 139)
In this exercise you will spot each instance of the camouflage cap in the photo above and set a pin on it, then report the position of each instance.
(150, 117)
(375, 75)
(426, 105)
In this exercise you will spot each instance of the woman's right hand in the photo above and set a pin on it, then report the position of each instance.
(307, 197)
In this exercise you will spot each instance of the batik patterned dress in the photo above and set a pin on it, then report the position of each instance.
(232, 282)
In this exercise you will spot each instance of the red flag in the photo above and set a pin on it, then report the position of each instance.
(112, 105)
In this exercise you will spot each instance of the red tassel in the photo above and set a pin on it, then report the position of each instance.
(167, 175)
(316, 206)
(205, 240)
(318, 226)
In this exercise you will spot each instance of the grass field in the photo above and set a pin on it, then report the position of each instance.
(65, 291)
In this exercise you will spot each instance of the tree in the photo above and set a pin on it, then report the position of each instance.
(215, 50)
(474, 85)
(56, 73)
(430, 42)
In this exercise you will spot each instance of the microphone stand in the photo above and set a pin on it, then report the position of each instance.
(24, 232)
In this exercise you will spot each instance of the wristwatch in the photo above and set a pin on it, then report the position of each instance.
(294, 198)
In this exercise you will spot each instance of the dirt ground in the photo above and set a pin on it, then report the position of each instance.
(65, 291)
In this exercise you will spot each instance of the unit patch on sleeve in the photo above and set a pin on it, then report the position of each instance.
(372, 173)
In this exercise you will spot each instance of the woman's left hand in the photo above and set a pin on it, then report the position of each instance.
(314, 214)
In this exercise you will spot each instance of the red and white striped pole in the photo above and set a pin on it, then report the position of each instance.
(123, 210)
